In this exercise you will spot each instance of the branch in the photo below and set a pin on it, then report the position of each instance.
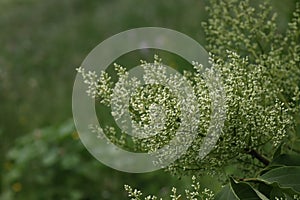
(253, 180)
(258, 156)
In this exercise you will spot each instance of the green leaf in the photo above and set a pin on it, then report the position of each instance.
(270, 167)
(261, 195)
(226, 194)
(265, 189)
(244, 191)
(280, 193)
(285, 177)
(272, 191)
(282, 160)
(287, 160)
(239, 191)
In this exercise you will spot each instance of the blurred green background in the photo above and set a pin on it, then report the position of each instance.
(41, 44)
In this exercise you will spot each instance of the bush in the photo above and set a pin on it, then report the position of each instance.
(259, 67)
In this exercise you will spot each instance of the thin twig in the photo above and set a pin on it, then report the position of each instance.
(258, 156)
(253, 180)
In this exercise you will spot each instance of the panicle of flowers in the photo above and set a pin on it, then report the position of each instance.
(196, 193)
(255, 115)
(259, 71)
(98, 86)
(175, 196)
(253, 32)
(134, 194)
(97, 130)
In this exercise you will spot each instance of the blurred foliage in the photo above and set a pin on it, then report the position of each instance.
(42, 42)
(51, 163)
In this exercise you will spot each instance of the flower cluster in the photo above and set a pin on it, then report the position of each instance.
(254, 115)
(195, 193)
(98, 86)
(258, 69)
(263, 76)
(253, 33)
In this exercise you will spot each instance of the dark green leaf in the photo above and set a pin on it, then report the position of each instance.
(286, 194)
(244, 191)
(287, 160)
(285, 177)
(276, 192)
(271, 167)
(265, 189)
